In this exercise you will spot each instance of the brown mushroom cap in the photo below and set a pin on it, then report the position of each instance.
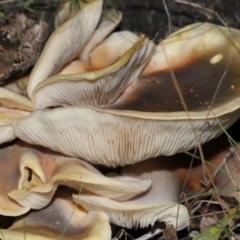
(109, 21)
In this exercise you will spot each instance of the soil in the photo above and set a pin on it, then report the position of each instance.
(23, 36)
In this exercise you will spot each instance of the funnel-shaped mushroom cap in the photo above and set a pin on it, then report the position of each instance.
(134, 214)
(12, 106)
(66, 42)
(147, 119)
(62, 219)
(47, 171)
(96, 87)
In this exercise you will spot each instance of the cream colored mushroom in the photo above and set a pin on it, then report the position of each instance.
(94, 84)
(41, 172)
(134, 128)
(65, 43)
(65, 12)
(62, 219)
(159, 203)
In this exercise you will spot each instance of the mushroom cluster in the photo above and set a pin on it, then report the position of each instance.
(96, 97)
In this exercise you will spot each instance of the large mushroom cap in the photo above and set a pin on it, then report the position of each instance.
(159, 203)
(145, 118)
(112, 137)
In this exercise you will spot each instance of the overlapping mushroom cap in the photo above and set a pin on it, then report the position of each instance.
(36, 173)
(134, 117)
(111, 114)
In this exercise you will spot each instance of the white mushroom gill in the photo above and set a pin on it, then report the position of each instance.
(114, 138)
(159, 203)
(95, 87)
(12, 106)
